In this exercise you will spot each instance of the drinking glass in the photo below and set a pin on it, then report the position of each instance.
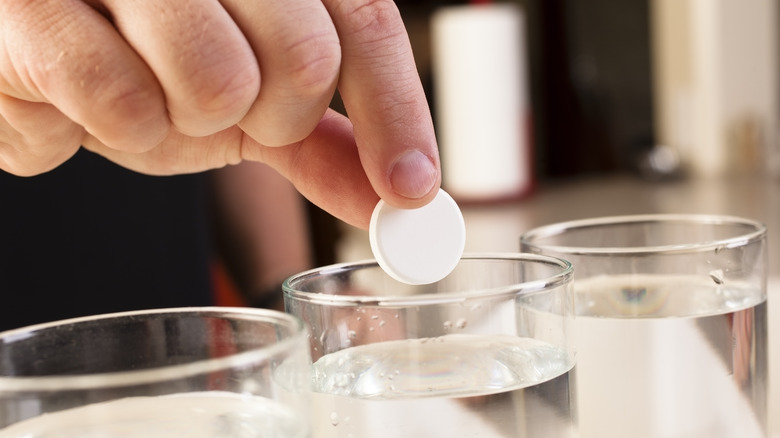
(671, 323)
(484, 352)
(194, 372)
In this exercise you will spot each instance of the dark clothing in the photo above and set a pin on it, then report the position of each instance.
(91, 237)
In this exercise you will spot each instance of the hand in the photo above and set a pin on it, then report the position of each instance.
(177, 86)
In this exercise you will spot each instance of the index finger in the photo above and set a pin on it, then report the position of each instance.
(383, 95)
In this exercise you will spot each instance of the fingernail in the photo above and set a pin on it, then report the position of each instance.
(413, 175)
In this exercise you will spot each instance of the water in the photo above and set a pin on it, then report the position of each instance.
(451, 386)
(668, 357)
(192, 415)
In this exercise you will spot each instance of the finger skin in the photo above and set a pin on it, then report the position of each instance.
(177, 153)
(390, 152)
(50, 55)
(325, 167)
(203, 62)
(25, 148)
(384, 98)
(298, 49)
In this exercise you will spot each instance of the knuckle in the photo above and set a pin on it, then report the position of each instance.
(36, 129)
(27, 167)
(126, 98)
(313, 64)
(34, 156)
(373, 20)
(378, 40)
(216, 72)
(223, 90)
(399, 108)
(11, 164)
(127, 115)
(122, 107)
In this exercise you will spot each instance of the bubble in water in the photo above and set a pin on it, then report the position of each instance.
(381, 323)
(342, 380)
(633, 294)
(334, 418)
(352, 334)
(461, 323)
(447, 325)
(717, 276)
(374, 317)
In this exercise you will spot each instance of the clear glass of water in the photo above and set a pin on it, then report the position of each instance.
(484, 352)
(194, 372)
(671, 323)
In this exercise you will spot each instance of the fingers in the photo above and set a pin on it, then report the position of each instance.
(198, 54)
(25, 148)
(104, 71)
(300, 56)
(177, 153)
(326, 168)
(50, 55)
(187, 62)
(383, 95)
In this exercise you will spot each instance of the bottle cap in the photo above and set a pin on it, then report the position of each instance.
(421, 245)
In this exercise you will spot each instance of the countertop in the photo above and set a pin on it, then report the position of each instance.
(498, 227)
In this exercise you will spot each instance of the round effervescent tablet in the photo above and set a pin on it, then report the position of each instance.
(421, 245)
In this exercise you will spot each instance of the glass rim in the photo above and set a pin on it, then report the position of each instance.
(525, 287)
(54, 382)
(528, 239)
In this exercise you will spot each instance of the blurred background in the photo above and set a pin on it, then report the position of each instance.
(656, 90)
(589, 77)
(609, 80)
